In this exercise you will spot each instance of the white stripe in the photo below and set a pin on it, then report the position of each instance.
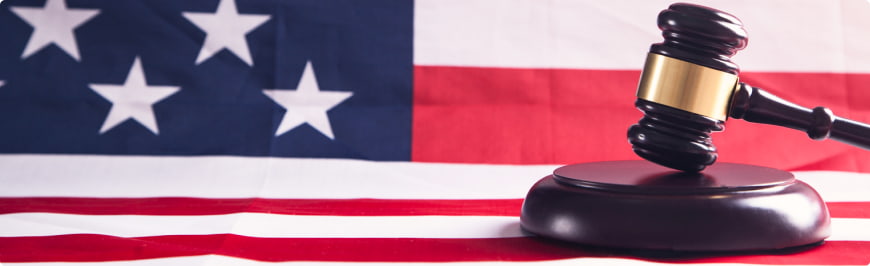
(218, 260)
(291, 226)
(838, 186)
(262, 225)
(850, 229)
(785, 35)
(244, 177)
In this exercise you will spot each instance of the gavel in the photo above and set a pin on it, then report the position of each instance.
(689, 87)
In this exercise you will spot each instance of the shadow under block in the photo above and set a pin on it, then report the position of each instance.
(641, 205)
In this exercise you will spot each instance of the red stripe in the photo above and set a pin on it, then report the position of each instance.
(560, 116)
(202, 206)
(107, 248)
(829, 253)
(849, 209)
(342, 207)
(82, 248)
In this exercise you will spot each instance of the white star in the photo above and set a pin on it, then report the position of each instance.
(226, 28)
(307, 104)
(53, 24)
(2, 83)
(133, 100)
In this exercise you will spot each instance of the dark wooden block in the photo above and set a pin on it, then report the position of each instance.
(641, 205)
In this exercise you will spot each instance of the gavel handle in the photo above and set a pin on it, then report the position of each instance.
(756, 105)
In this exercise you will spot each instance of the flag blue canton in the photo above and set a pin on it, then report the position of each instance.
(58, 97)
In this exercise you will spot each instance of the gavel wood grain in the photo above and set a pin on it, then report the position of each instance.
(679, 138)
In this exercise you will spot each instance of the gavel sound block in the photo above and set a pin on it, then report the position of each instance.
(684, 202)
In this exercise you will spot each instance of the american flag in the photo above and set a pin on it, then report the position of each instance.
(312, 132)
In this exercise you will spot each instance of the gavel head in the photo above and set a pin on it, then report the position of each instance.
(686, 87)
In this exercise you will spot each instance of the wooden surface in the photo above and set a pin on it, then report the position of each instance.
(640, 205)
